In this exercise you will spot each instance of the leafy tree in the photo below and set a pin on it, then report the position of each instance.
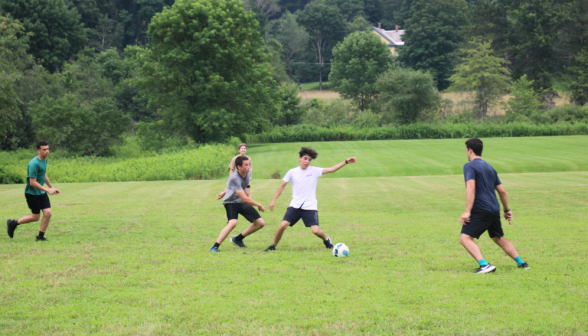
(489, 22)
(9, 112)
(350, 9)
(579, 82)
(14, 43)
(83, 77)
(290, 112)
(263, 9)
(524, 101)
(406, 95)
(83, 129)
(373, 10)
(482, 73)
(57, 33)
(433, 33)
(207, 71)
(291, 36)
(135, 16)
(359, 24)
(358, 62)
(536, 29)
(107, 33)
(324, 24)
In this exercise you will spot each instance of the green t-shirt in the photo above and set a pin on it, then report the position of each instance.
(37, 169)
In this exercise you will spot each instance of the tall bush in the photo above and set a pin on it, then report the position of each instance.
(524, 101)
(406, 94)
(82, 129)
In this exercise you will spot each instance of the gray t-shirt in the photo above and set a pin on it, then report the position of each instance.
(236, 182)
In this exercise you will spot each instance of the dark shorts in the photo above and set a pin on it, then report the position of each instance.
(38, 202)
(481, 221)
(309, 217)
(246, 210)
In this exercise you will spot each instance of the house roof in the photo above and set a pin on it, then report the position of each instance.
(393, 37)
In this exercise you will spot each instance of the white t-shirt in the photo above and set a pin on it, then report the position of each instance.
(304, 186)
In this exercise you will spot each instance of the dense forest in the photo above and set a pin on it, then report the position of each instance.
(83, 73)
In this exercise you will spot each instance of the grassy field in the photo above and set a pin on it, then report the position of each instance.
(427, 157)
(132, 258)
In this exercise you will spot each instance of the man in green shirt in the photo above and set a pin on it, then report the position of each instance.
(36, 193)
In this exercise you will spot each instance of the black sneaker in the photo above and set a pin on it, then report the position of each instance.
(11, 224)
(40, 238)
(525, 266)
(239, 243)
(486, 269)
(271, 248)
(328, 243)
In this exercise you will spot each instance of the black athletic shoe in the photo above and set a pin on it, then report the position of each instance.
(40, 239)
(11, 224)
(239, 243)
(328, 243)
(486, 269)
(525, 266)
(271, 248)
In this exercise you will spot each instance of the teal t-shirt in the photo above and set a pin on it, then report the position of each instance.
(37, 169)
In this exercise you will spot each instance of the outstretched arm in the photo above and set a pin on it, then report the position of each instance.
(504, 201)
(338, 166)
(278, 193)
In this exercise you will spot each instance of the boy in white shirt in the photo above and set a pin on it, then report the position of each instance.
(304, 204)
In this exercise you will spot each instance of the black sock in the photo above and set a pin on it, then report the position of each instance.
(41, 234)
(239, 237)
(216, 244)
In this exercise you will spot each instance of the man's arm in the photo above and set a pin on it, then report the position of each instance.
(470, 197)
(338, 166)
(504, 201)
(33, 182)
(249, 200)
(278, 193)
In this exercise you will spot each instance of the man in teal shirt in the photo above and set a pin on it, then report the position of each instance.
(36, 193)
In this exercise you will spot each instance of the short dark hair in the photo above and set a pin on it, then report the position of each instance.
(239, 160)
(308, 151)
(42, 143)
(476, 145)
(241, 145)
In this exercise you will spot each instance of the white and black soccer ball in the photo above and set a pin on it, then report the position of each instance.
(341, 250)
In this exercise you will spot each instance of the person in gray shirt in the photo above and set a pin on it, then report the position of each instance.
(236, 202)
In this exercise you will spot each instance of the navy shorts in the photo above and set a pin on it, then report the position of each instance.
(309, 217)
(245, 210)
(38, 202)
(481, 221)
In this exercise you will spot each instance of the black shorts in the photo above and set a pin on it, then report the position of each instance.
(481, 221)
(38, 202)
(246, 210)
(309, 217)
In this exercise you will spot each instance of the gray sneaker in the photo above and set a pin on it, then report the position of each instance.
(486, 269)
(238, 242)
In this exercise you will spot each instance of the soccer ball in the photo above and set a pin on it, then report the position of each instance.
(341, 250)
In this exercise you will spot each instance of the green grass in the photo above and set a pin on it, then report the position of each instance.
(314, 86)
(132, 258)
(426, 157)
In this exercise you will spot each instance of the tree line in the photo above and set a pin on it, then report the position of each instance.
(82, 73)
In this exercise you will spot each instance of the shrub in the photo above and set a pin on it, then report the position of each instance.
(70, 124)
(524, 101)
(405, 94)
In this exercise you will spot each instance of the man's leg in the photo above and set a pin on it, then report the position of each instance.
(509, 249)
(471, 246)
(257, 224)
(225, 232)
(318, 232)
(280, 231)
(45, 221)
(29, 219)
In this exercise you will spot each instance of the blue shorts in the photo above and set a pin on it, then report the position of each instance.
(309, 217)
